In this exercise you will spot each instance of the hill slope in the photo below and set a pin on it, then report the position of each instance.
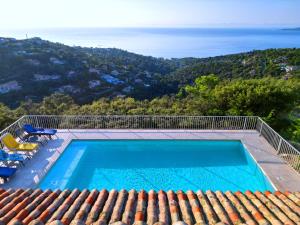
(34, 68)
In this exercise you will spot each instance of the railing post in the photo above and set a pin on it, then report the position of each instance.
(36, 121)
(279, 146)
(261, 127)
(245, 122)
(19, 121)
(213, 123)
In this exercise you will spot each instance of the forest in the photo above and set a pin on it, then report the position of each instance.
(275, 100)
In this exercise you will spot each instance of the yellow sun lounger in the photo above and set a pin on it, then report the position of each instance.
(12, 144)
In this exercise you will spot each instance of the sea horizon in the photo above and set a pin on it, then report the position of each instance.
(169, 42)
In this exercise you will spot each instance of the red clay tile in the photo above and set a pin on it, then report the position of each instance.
(36, 207)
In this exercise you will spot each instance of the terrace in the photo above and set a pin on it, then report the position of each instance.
(279, 161)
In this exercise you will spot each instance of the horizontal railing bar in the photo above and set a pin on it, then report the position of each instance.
(283, 148)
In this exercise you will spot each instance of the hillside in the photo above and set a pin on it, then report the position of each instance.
(34, 68)
(256, 64)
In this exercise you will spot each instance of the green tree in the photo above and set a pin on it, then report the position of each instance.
(7, 116)
(56, 104)
(203, 85)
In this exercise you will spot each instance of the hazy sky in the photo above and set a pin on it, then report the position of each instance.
(148, 13)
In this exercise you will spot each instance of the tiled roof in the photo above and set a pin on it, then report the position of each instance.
(37, 207)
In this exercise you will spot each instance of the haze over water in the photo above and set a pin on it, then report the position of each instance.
(169, 42)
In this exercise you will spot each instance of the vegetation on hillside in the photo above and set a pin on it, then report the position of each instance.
(34, 68)
(276, 100)
(255, 64)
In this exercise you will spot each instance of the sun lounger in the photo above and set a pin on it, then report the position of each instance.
(14, 157)
(12, 144)
(7, 172)
(39, 131)
(24, 137)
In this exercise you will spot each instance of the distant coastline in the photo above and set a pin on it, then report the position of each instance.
(292, 29)
(169, 42)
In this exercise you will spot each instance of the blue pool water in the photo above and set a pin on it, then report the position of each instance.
(156, 164)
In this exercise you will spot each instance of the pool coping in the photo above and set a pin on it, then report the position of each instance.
(260, 167)
(280, 174)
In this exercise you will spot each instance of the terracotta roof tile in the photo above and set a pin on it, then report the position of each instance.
(163, 214)
(37, 207)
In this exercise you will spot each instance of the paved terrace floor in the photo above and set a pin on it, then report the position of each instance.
(281, 175)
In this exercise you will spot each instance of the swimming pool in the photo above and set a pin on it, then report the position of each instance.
(156, 164)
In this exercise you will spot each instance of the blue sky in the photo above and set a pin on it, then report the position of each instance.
(148, 13)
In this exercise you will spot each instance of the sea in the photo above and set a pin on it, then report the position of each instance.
(168, 42)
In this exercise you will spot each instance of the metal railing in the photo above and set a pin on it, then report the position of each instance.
(144, 122)
(14, 127)
(282, 147)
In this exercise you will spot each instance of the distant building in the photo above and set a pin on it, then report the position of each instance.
(41, 77)
(138, 81)
(94, 83)
(244, 62)
(148, 74)
(56, 61)
(112, 80)
(68, 89)
(282, 66)
(33, 62)
(9, 86)
(291, 68)
(252, 72)
(94, 70)
(21, 52)
(72, 74)
(127, 89)
(115, 73)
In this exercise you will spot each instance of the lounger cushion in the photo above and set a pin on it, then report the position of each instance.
(9, 141)
(44, 132)
(38, 131)
(27, 147)
(16, 157)
(7, 172)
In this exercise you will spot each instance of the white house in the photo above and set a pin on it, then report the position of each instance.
(72, 74)
(68, 89)
(112, 80)
(291, 68)
(44, 77)
(115, 73)
(33, 62)
(127, 89)
(94, 70)
(94, 83)
(56, 61)
(9, 86)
